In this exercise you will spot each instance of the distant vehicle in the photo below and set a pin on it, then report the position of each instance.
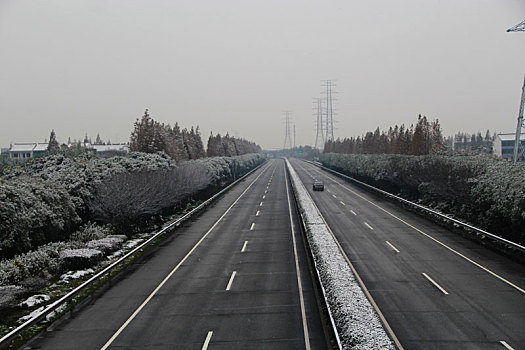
(318, 186)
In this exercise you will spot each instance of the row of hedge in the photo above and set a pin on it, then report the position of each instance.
(484, 191)
(48, 199)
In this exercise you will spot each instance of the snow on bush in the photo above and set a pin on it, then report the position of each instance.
(106, 244)
(33, 212)
(356, 321)
(77, 259)
(50, 197)
(484, 191)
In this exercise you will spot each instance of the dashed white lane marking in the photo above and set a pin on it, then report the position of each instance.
(207, 341)
(367, 225)
(258, 212)
(327, 190)
(392, 246)
(473, 262)
(264, 197)
(334, 196)
(155, 291)
(505, 344)
(253, 225)
(343, 203)
(231, 280)
(353, 212)
(435, 284)
(244, 246)
(261, 204)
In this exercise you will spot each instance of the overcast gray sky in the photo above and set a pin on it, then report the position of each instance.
(234, 65)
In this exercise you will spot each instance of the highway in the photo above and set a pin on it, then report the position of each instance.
(235, 277)
(436, 289)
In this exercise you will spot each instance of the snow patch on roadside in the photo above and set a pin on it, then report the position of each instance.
(357, 322)
(73, 275)
(35, 300)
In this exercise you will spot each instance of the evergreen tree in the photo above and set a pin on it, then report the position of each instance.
(53, 147)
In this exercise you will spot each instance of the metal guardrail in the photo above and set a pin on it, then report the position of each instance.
(425, 209)
(97, 277)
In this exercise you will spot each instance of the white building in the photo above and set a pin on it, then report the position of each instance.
(21, 151)
(504, 146)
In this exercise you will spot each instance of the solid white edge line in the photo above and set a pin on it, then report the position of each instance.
(244, 246)
(155, 291)
(367, 225)
(505, 344)
(299, 282)
(392, 246)
(207, 341)
(436, 240)
(251, 227)
(258, 212)
(231, 280)
(435, 284)
(343, 203)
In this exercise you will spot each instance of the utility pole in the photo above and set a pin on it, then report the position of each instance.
(287, 137)
(518, 148)
(329, 84)
(319, 134)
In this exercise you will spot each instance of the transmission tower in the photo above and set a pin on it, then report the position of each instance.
(329, 84)
(294, 146)
(520, 27)
(287, 137)
(319, 135)
(518, 148)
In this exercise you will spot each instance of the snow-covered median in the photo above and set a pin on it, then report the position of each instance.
(355, 318)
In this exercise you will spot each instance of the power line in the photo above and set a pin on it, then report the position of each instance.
(520, 27)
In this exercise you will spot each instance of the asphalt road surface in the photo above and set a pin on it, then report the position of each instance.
(236, 277)
(436, 289)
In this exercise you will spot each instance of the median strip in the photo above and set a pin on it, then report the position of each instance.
(356, 321)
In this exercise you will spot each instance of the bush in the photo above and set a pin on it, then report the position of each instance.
(77, 259)
(33, 213)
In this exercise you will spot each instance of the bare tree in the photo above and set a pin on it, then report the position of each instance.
(128, 200)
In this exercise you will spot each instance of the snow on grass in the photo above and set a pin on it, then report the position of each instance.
(73, 275)
(356, 320)
(35, 300)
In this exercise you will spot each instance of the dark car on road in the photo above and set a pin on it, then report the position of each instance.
(318, 186)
